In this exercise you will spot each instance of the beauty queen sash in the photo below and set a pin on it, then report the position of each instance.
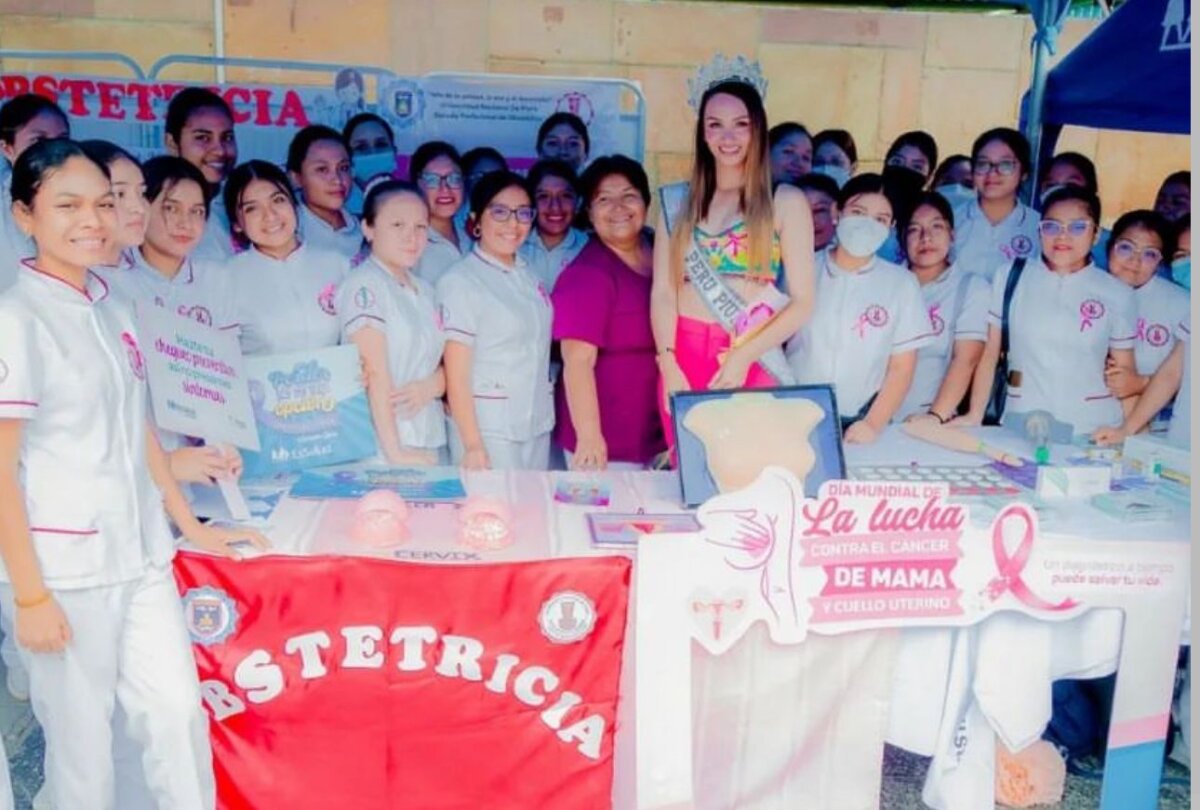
(742, 320)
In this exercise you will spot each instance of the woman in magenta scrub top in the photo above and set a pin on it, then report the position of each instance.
(605, 400)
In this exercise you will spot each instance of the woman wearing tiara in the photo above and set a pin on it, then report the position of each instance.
(717, 304)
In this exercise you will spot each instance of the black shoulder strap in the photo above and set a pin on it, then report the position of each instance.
(1010, 287)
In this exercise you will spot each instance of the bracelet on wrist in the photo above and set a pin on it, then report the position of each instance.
(666, 350)
(32, 603)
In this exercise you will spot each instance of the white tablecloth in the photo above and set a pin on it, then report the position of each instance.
(999, 672)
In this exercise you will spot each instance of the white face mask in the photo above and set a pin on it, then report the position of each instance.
(861, 236)
(839, 175)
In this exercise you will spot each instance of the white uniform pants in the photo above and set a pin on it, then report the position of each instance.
(129, 646)
(533, 454)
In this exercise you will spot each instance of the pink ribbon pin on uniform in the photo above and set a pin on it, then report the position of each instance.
(1089, 311)
(1010, 567)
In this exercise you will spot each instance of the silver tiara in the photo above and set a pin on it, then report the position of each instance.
(720, 69)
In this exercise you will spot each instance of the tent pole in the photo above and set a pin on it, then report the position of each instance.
(1033, 125)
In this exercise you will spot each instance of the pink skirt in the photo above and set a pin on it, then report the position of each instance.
(698, 345)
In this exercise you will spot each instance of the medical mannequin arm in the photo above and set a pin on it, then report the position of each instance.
(207, 537)
(42, 626)
(579, 380)
(461, 398)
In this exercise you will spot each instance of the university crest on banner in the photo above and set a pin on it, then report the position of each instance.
(373, 684)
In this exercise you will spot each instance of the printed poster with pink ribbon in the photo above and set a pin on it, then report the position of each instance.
(871, 554)
(866, 555)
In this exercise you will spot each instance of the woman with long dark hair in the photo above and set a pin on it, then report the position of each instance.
(723, 237)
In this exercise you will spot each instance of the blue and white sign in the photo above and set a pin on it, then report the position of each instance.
(311, 410)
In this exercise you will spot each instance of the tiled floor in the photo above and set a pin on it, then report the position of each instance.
(904, 773)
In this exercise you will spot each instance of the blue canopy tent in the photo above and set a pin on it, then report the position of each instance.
(1133, 72)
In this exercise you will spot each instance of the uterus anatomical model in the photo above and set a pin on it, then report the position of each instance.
(746, 433)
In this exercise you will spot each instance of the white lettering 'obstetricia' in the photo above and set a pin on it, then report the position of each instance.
(412, 649)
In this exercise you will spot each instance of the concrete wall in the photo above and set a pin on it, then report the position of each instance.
(876, 73)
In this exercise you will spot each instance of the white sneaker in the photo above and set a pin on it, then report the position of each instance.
(17, 681)
(41, 799)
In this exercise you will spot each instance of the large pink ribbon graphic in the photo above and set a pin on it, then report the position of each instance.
(1010, 568)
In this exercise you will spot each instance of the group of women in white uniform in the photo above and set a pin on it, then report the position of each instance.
(444, 285)
(1091, 316)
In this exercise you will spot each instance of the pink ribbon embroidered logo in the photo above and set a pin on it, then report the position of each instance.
(1090, 311)
(325, 299)
(1010, 567)
(935, 318)
(1157, 335)
(874, 315)
(198, 314)
(137, 363)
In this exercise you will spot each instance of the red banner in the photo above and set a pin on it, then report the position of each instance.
(373, 684)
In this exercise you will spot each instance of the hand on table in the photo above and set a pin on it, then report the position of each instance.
(476, 459)
(966, 420)
(1109, 435)
(591, 452)
(861, 432)
(221, 539)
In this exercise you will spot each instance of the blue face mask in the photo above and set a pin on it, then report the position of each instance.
(372, 164)
(956, 194)
(839, 174)
(1181, 272)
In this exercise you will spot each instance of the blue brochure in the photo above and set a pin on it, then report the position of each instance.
(410, 483)
(311, 411)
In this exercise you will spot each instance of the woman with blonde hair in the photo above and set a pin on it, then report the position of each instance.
(718, 309)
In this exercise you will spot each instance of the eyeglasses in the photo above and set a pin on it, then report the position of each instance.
(986, 167)
(1075, 228)
(433, 180)
(1127, 250)
(501, 213)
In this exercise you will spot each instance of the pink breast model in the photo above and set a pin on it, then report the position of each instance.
(484, 524)
(380, 520)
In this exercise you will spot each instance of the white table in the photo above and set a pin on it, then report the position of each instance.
(937, 674)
